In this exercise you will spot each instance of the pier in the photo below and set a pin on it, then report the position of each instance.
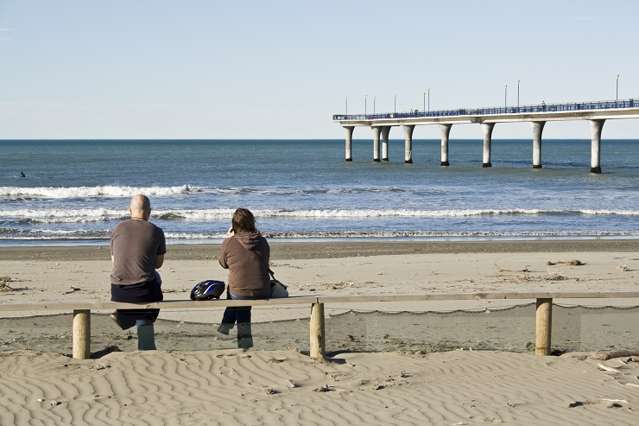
(596, 113)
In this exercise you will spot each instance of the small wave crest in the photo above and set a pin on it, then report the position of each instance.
(80, 235)
(115, 191)
(214, 214)
(26, 216)
(107, 191)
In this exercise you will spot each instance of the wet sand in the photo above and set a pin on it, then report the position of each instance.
(334, 249)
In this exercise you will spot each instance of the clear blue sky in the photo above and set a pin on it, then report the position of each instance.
(259, 69)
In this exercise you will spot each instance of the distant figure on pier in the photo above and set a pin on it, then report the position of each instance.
(245, 253)
(137, 251)
(22, 175)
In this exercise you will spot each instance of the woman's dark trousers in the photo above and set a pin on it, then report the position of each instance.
(240, 315)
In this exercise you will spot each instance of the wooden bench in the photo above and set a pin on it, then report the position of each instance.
(317, 337)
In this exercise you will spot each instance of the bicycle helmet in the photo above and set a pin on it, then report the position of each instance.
(207, 290)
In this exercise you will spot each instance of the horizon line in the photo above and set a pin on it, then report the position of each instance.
(277, 139)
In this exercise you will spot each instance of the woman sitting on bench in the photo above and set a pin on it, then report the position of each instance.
(245, 253)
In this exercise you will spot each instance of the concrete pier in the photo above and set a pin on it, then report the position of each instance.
(538, 128)
(408, 143)
(487, 130)
(348, 143)
(445, 133)
(376, 133)
(597, 112)
(595, 145)
(385, 133)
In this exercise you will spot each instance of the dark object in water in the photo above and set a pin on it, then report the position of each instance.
(22, 174)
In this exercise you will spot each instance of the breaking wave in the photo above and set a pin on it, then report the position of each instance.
(107, 191)
(79, 235)
(205, 215)
(114, 191)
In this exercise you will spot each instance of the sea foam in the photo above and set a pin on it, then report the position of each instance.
(206, 215)
(107, 191)
(62, 235)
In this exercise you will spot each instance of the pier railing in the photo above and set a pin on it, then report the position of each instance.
(317, 332)
(543, 107)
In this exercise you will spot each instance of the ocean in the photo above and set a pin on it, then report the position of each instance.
(76, 191)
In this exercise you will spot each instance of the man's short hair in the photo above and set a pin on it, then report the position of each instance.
(140, 203)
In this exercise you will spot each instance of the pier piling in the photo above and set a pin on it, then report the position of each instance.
(376, 133)
(385, 133)
(348, 143)
(445, 133)
(595, 145)
(487, 129)
(408, 143)
(538, 128)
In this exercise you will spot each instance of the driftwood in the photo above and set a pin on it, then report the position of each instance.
(604, 356)
(575, 262)
(608, 369)
(580, 356)
(610, 403)
(601, 356)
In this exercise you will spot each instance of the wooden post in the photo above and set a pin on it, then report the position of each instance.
(543, 322)
(81, 334)
(317, 341)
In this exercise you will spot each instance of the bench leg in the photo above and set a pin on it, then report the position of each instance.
(317, 341)
(81, 334)
(543, 326)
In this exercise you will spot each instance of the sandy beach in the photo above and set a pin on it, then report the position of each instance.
(281, 387)
(50, 274)
(414, 367)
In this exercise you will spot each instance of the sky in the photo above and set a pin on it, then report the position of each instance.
(280, 69)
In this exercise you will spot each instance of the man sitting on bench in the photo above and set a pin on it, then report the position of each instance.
(137, 250)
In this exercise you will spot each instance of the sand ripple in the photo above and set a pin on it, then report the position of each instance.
(279, 387)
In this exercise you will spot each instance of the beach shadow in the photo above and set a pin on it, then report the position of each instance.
(106, 351)
(329, 357)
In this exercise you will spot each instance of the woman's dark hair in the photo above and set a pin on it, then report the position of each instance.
(243, 221)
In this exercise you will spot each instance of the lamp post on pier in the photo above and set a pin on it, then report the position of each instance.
(365, 104)
(395, 104)
(617, 89)
(427, 101)
(374, 101)
(517, 95)
(505, 96)
(346, 105)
